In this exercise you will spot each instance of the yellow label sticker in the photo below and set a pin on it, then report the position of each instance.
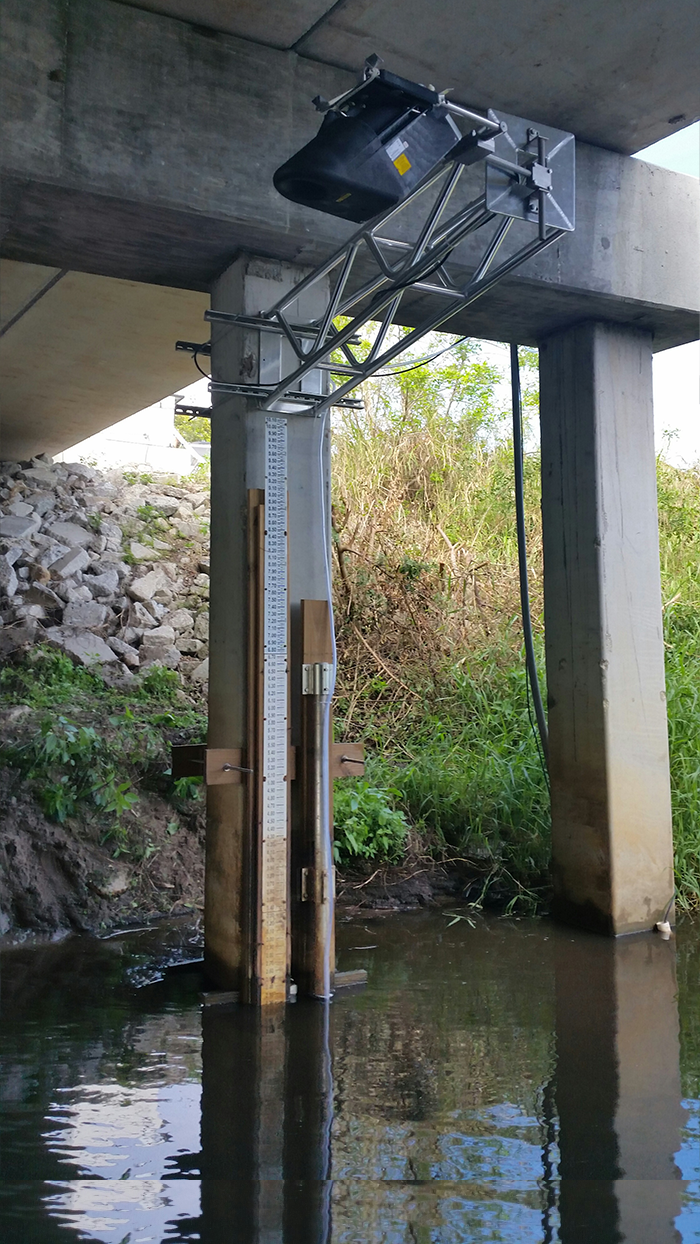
(343, 197)
(402, 163)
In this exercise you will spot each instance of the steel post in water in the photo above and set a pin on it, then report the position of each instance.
(313, 950)
(247, 861)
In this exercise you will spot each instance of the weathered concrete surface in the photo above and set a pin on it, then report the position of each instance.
(608, 747)
(238, 464)
(79, 352)
(139, 147)
(614, 73)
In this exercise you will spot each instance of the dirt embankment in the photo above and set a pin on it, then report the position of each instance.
(104, 575)
(57, 878)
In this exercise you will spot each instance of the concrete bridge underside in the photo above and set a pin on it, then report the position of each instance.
(140, 146)
(140, 142)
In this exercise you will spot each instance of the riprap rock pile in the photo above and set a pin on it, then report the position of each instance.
(110, 568)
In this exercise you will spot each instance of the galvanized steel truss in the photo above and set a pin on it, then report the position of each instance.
(517, 188)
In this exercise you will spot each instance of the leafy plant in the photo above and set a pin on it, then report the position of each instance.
(194, 428)
(159, 683)
(366, 825)
(72, 765)
(188, 787)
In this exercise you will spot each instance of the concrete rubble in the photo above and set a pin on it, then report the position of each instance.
(110, 569)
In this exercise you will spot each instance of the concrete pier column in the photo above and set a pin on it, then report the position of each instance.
(250, 286)
(608, 745)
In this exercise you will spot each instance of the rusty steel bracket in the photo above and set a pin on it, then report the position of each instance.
(219, 766)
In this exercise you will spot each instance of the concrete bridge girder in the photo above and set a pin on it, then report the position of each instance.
(138, 148)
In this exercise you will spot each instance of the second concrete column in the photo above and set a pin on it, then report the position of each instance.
(609, 764)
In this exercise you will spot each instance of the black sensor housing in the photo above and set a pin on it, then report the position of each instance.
(372, 152)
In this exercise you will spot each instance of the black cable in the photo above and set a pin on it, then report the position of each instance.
(384, 375)
(380, 375)
(522, 550)
(536, 734)
(203, 373)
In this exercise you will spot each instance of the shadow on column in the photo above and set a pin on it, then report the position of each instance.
(618, 1090)
(266, 1120)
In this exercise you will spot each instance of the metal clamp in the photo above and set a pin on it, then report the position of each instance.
(316, 678)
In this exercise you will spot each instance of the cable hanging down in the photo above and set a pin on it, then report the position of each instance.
(522, 550)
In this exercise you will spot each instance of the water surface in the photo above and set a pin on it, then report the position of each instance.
(497, 1080)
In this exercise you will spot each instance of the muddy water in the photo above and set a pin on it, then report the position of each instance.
(507, 1082)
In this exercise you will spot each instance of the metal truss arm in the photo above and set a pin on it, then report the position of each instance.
(518, 187)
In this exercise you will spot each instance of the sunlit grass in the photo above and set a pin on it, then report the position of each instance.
(427, 611)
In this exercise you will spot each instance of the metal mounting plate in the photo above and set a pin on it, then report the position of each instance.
(505, 196)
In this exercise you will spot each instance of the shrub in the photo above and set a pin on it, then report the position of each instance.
(367, 826)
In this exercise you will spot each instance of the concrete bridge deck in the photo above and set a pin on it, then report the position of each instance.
(140, 142)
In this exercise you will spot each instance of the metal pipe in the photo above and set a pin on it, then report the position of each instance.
(383, 299)
(316, 905)
(491, 249)
(384, 327)
(436, 212)
(337, 292)
(260, 323)
(470, 294)
(507, 166)
(522, 549)
(460, 111)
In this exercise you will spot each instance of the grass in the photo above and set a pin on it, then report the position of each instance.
(431, 670)
(679, 530)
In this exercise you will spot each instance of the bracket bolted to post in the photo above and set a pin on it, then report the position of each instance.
(219, 766)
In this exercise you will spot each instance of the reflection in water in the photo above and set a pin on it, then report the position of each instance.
(618, 1090)
(266, 1117)
(510, 1082)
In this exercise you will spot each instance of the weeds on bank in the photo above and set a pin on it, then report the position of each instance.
(72, 765)
(89, 749)
(366, 824)
(430, 643)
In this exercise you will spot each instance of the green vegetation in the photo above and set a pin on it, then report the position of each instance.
(194, 428)
(432, 671)
(89, 750)
(73, 764)
(679, 526)
(366, 824)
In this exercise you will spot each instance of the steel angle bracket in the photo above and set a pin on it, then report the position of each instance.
(219, 766)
